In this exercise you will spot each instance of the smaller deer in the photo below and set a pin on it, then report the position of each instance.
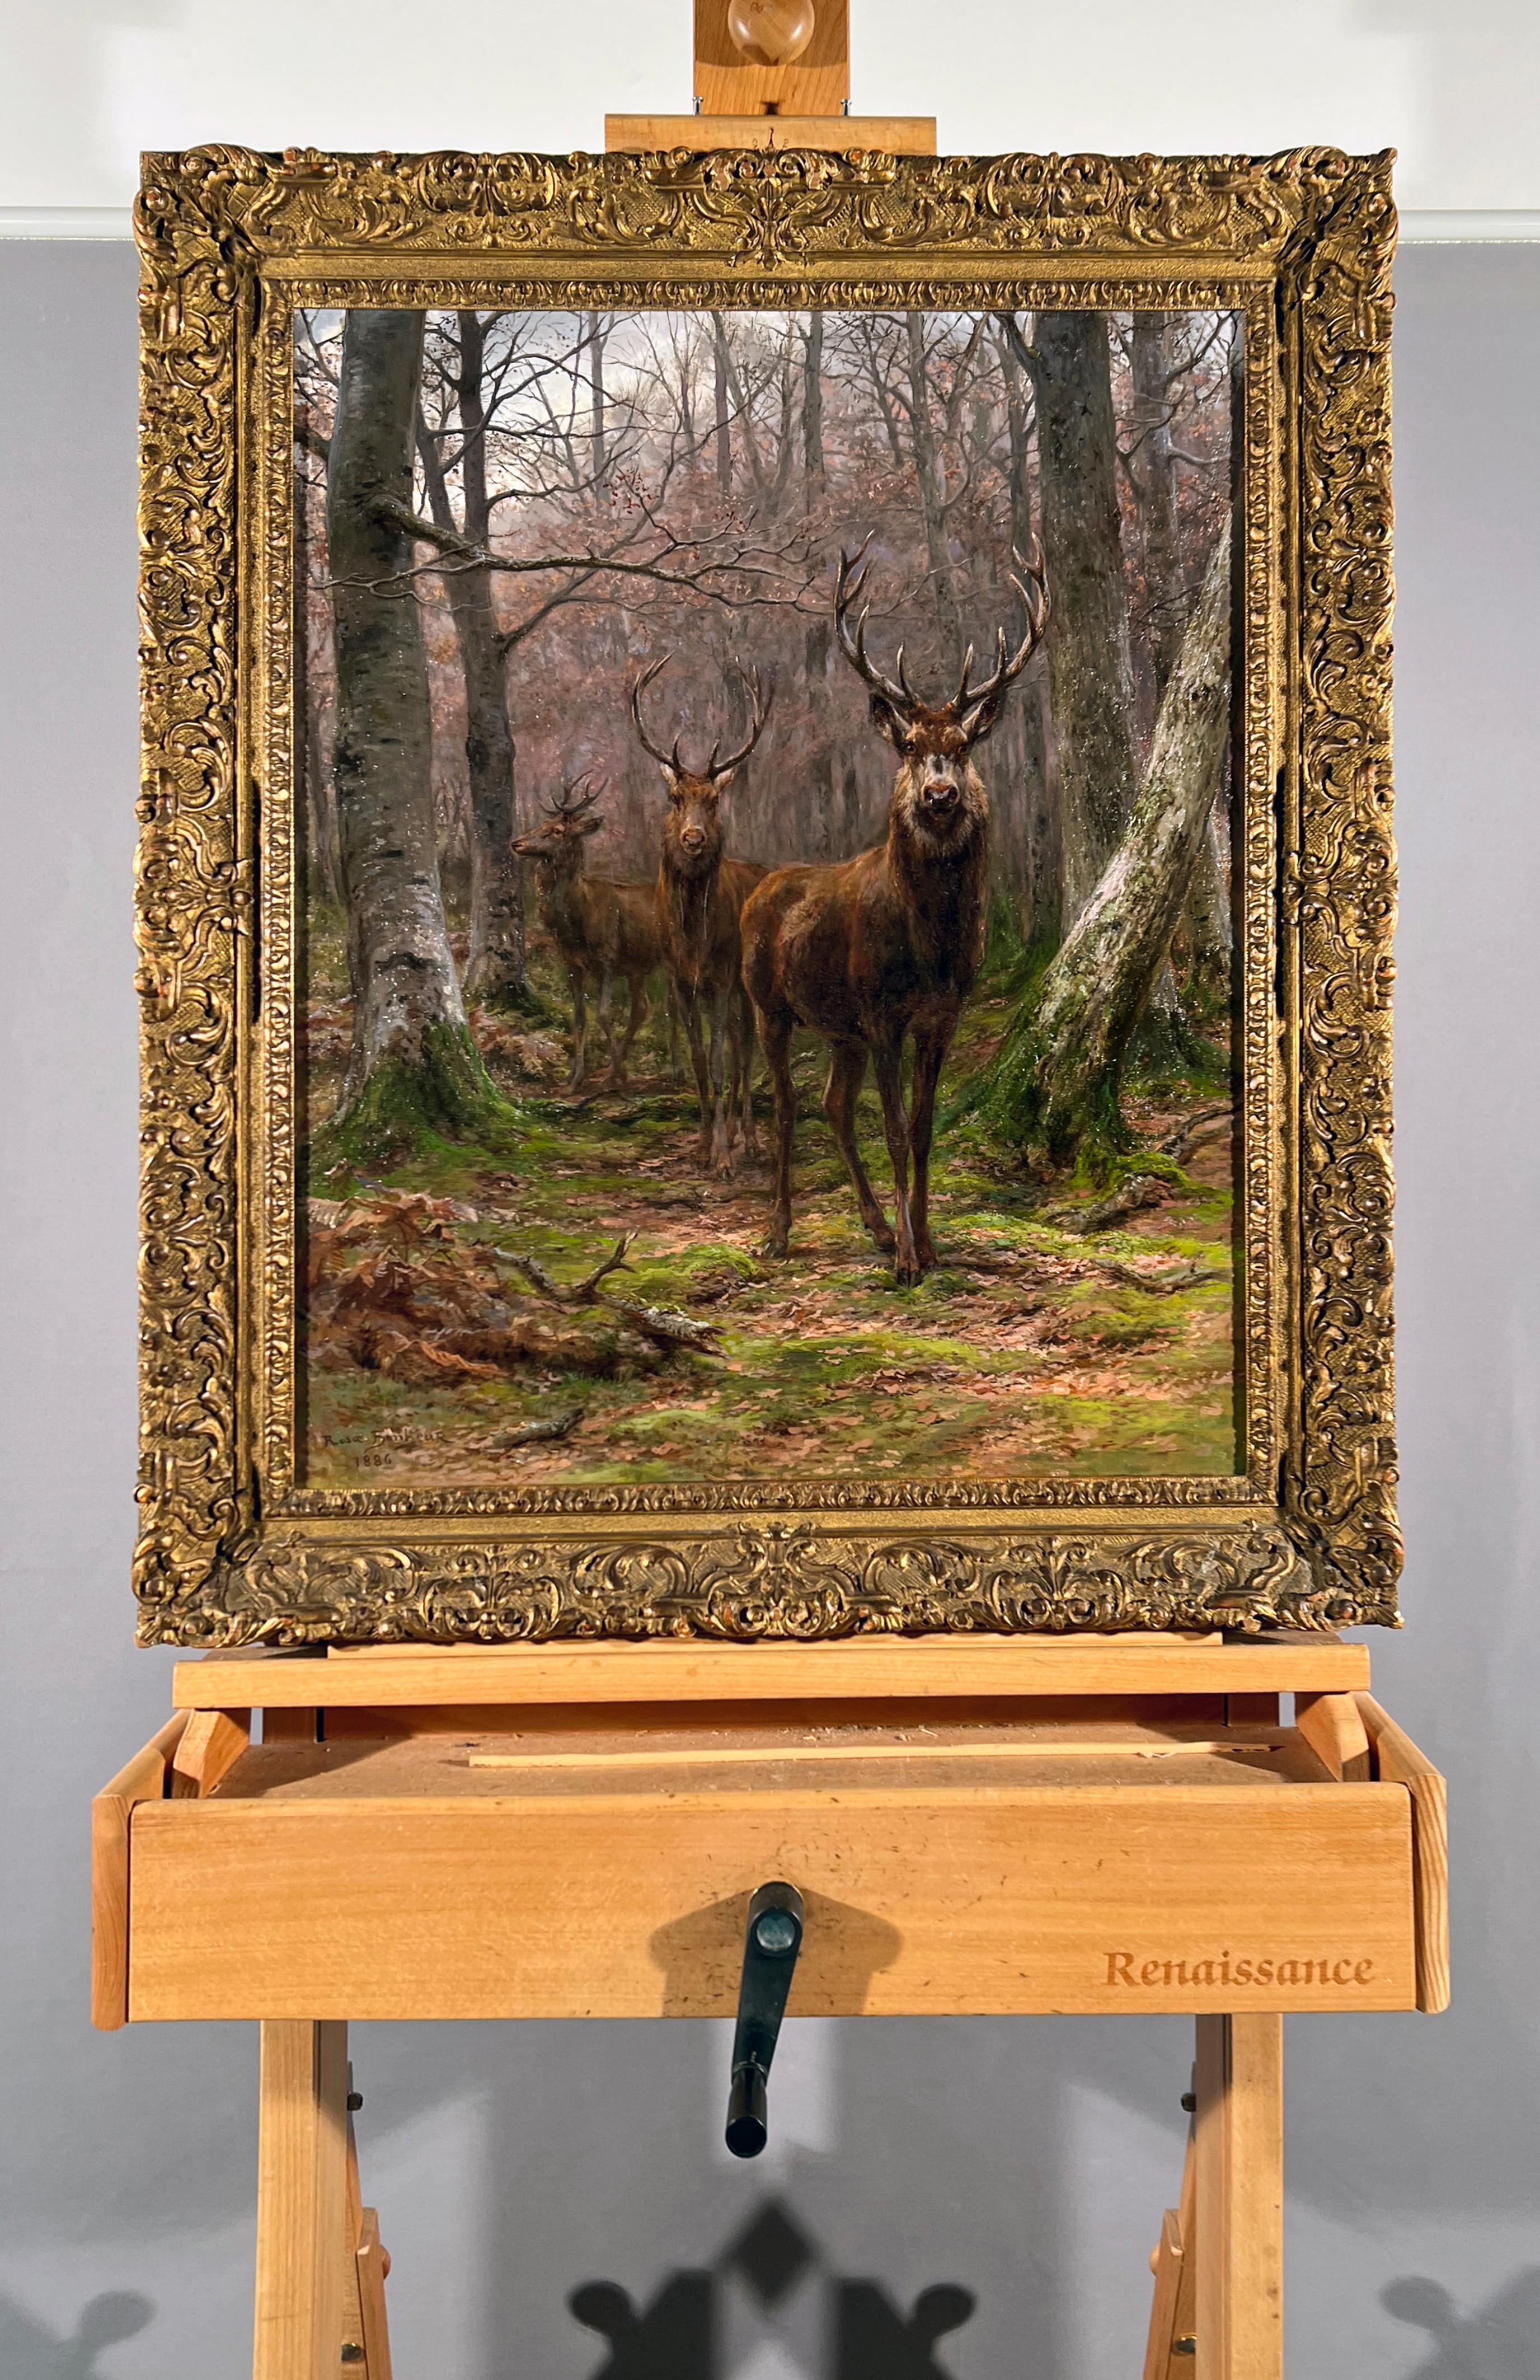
(699, 897)
(886, 946)
(602, 930)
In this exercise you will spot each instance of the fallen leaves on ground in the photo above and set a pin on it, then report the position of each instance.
(537, 1057)
(393, 1290)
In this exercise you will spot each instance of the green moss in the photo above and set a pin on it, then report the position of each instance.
(403, 1109)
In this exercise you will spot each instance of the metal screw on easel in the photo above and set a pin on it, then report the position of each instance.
(355, 2101)
(1189, 2103)
(352, 2353)
(1185, 2346)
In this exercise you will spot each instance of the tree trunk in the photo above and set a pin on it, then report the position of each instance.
(930, 473)
(722, 418)
(1057, 1086)
(1207, 931)
(414, 1068)
(1155, 487)
(816, 647)
(314, 799)
(1041, 898)
(593, 338)
(1090, 671)
(496, 964)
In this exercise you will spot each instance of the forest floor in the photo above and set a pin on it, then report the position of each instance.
(1037, 1345)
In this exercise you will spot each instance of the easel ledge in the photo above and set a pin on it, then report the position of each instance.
(691, 1670)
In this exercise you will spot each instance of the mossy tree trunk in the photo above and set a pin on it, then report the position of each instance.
(496, 965)
(1056, 1083)
(414, 1068)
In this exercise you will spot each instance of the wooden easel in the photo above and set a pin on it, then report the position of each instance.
(574, 1830)
(743, 102)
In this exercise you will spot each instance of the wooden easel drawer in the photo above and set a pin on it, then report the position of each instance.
(976, 1897)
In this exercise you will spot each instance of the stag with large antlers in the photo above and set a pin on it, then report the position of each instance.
(886, 946)
(602, 930)
(699, 899)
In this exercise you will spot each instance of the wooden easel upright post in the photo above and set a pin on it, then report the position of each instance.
(575, 1830)
(746, 100)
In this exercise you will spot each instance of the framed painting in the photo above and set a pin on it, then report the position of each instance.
(765, 895)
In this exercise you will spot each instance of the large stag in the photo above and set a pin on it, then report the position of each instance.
(700, 895)
(887, 945)
(602, 930)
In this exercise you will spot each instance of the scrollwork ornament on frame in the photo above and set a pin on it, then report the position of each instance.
(1306, 1535)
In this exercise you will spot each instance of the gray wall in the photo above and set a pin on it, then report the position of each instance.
(1027, 2162)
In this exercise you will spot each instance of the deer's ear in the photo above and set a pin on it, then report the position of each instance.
(590, 826)
(888, 724)
(720, 784)
(982, 722)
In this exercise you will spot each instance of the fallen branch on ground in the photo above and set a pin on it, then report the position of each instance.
(1190, 1275)
(537, 1433)
(1206, 1124)
(664, 1323)
(1140, 1190)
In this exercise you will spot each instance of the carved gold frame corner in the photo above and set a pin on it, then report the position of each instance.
(231, 1548)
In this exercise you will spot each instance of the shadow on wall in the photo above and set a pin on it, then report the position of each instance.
(28, 2351)
(1501, 2342)
(857, 2331)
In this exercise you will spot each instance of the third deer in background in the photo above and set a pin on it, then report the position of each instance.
(700, 896)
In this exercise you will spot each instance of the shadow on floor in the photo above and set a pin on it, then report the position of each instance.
(1501, 2341)
(678, 2335)
(29, 2351)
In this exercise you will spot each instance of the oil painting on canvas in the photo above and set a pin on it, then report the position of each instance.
(768, 944)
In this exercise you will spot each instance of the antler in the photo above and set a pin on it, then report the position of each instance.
(576, 798)
(645, 678)
(970, 702)
(849, 581)
(714, 767)
(761, 701)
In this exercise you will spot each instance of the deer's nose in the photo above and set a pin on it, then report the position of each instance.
(692, 837)
(940, 793)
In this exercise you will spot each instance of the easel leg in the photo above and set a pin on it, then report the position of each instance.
(366, 2340)
(1173, 2312)
(1238, 2136)
(301, 2202)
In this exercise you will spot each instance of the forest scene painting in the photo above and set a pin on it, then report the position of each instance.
(765, 790)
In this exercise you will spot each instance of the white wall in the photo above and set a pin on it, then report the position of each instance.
(1453, 84)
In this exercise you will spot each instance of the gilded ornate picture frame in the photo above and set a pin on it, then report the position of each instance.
(794, 1515)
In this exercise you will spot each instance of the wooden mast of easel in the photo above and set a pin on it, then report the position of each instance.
(786, 89)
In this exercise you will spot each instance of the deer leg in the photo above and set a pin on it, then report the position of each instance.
(676, 1071)
(696, 1039)
(775, 1040)
(604, 1013)
(929, 1057)
(579, 1029)
(743, 1012)
(887, 1058)
(634, 1022)
(721, 1151)
(847, 1066)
